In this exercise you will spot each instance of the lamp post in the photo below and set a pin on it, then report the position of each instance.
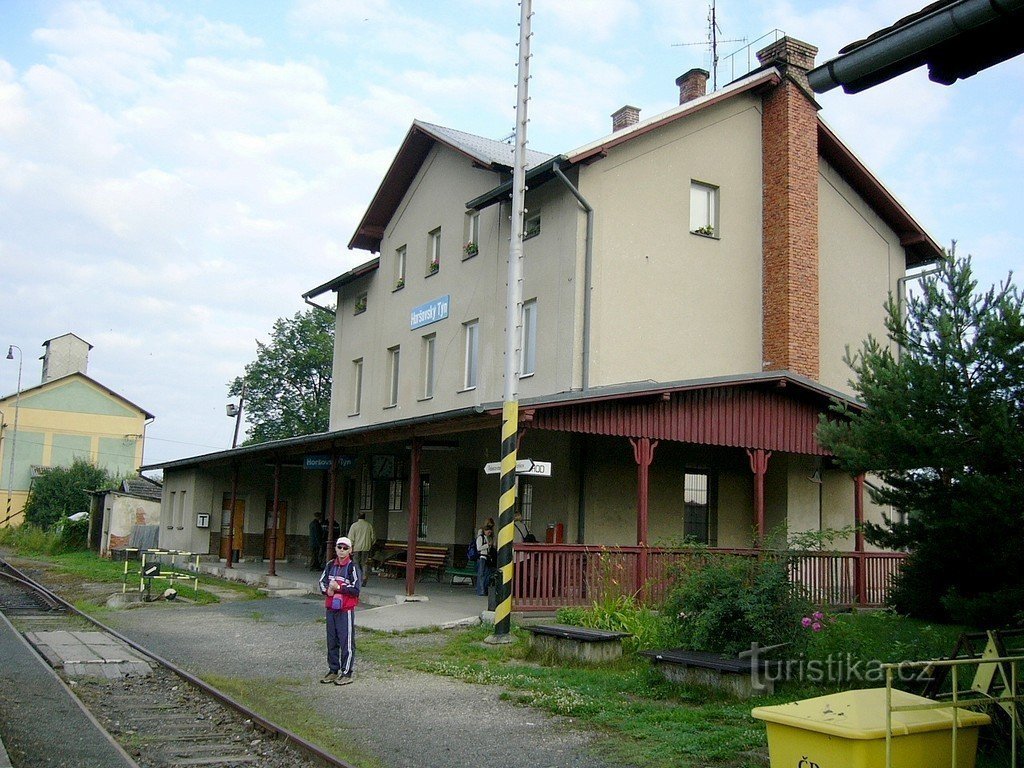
(236, 412)
(14, 435)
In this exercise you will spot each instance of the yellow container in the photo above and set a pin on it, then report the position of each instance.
(847, 730)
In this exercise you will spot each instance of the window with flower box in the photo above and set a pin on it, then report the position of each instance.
(434, 252)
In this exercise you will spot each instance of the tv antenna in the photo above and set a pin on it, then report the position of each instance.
(712, 43)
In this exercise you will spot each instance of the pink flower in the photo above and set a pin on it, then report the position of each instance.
(816, 626)
(818, 615)
(805, 622)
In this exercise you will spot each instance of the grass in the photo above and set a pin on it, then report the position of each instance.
(645, 719)
(279, 702)
(89, 567)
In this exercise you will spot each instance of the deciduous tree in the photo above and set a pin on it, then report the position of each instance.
(60, 492)
(288, 385)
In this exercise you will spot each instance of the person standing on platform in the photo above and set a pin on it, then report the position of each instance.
(317, 531)
(363, 538)
(486, 560)
(340, 584)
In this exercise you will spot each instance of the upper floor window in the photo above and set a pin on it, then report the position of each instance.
(703, 209)
(531, 226)
(428, 366)
(472, 246)
(357, 385)
(400, 254)
(528, 357)
(392, 381)
(471, 331)
(434, 251)
(360, 304)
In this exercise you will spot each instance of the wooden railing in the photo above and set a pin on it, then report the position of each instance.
(550, 576)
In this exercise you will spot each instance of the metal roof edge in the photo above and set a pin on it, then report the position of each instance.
(343, 279)
(287, 443)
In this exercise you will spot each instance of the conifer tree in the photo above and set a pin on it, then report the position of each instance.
(943, 432)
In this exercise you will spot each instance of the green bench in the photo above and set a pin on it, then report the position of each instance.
(468, 571)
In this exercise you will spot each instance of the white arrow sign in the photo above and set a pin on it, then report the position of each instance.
(523, 467)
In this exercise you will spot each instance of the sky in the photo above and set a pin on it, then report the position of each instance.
(175, 175)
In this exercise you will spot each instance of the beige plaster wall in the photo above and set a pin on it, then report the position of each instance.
(861, 260)
(668, 304)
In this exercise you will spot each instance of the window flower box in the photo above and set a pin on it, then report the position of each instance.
(433, 268)
(471, 249)
(400, 284)
(360, 305)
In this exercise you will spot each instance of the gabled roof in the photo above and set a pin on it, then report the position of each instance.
(53, 383)
(486, 153)
(142, 487)
(921, 248)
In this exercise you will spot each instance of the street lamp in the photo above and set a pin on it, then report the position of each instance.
(235, 412)
(14, 436)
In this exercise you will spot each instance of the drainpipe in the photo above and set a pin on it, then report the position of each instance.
(901, 292)
(588, 264)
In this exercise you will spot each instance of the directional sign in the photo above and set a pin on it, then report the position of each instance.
(523, 467)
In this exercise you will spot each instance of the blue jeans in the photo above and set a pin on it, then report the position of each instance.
(483, 575)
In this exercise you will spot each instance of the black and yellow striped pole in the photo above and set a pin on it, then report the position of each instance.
(513, 343)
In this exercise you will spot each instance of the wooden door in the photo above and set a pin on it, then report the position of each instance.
(282, 519)
(225, 524)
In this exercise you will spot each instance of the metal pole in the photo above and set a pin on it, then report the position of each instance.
(513, 342)
(14, 435)
(238, 415)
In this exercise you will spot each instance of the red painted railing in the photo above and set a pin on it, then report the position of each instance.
(550, 576)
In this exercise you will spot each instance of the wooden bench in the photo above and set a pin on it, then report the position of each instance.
(578, 643)
(468, 571)
(743, 677)
(428, 557)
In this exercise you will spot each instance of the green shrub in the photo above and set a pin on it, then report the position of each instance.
(72, 535)
(63, 491)
(647, 628)
(725, 602)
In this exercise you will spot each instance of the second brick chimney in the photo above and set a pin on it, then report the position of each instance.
(693, 84)
(625, 117)
(789, 141)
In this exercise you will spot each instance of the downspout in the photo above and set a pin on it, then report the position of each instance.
(588, 264)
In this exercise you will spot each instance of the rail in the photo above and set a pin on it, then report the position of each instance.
(268, 725)
(552, 576)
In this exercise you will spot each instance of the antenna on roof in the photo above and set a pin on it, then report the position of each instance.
(712, 43)
(508, 139)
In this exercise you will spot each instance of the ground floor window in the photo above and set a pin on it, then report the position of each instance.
(424, 505)
(700, 519)
(524, 498)
(365, 490)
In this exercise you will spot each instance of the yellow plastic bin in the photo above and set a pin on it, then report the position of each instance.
(847, 730)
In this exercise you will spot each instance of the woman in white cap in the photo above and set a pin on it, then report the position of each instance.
(340, 583)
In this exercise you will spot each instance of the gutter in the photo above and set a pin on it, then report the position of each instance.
(900, 49)
(588, 265)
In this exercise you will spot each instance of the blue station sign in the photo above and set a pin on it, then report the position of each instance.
(428, 313)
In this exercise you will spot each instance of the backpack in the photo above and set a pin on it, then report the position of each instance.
(472, 553)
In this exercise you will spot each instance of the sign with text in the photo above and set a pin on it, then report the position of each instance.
(428, 313)
(527, 467)
(323, 461)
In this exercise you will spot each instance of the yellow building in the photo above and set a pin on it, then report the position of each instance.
(65, 417)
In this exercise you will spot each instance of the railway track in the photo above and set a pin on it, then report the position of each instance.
(161, 715)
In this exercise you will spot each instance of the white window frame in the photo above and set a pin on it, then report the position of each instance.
(433, 251)
(528, 352)
(704, 205)
(357, 386)
(429, 348)
(401, 254)
(471, 333)
(394, 363)
(472, 246)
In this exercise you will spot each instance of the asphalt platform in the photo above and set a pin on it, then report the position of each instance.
(384, 604)
(41, 718)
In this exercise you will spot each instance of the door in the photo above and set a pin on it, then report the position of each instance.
(225, 524)
(282, 519)
(465, 509)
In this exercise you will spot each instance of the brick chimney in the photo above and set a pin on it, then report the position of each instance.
(789, 145)
(693, 84)
(625, 117)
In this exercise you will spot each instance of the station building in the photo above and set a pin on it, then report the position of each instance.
(691, 284)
